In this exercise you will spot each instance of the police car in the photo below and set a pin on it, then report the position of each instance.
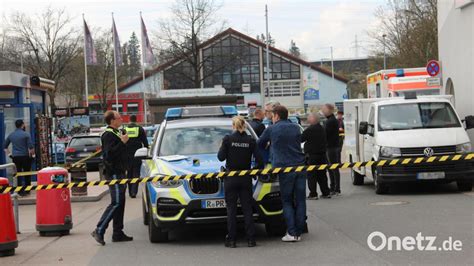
(187, 142)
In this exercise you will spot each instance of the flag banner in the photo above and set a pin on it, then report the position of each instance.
(117, 49)
(90, 53)
(148, 58)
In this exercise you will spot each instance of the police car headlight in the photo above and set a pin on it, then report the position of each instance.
(464, 148)
(168, 183)
(267, 178)
(390, 152)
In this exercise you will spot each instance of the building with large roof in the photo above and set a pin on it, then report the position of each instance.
(236, 63)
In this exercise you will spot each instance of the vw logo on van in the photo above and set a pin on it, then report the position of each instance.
(428, 152)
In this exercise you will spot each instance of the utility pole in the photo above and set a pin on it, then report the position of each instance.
(384, 54)
(356, 46)
(332, 67)
(267, 53)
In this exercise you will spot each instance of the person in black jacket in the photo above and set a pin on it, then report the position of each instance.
(314, 138)
(137, 140)
(237, 150)
(334, 155)
(257, 122)
(114, 154)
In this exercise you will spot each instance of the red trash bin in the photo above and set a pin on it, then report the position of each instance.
(53, 206)
(8, 240)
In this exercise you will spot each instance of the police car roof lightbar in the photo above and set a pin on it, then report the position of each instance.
(204, 111)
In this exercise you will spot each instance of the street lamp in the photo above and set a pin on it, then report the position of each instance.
(384, 54)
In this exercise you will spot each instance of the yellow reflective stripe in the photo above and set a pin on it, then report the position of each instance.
(266, 188)
(322, 167)
(334, 166)
(357, 164)
(175, 193)
(456, 157)
(444, 158)
(406, 161)
(393, 162)
(112, 131)
(431, 159)
(268, 213)
(345, 165)
(174, 218)
(311, 167)
(418, 160)
(132, 132)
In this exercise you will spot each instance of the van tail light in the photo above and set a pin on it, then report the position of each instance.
(70, 150)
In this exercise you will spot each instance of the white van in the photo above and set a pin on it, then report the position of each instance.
(388, 128)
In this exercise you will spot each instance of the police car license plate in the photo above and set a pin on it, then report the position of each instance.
(430, 175)
(213, 204)
(83, 154)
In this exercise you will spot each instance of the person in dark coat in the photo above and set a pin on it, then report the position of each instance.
(137, 140)
(315, 143)
(114, 154)
(237, 150)
(333, 151)
(257, 122)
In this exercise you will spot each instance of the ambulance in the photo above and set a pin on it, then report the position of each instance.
(397, 82)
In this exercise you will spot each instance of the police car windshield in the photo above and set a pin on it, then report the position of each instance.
(193, 140)
(416, 116)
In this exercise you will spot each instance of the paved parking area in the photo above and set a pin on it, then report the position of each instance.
(339, 228)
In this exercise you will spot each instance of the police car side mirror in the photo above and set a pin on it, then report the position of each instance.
(142, 154)
(363, 128)
(469, 122)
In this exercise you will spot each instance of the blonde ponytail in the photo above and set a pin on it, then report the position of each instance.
(238, 123)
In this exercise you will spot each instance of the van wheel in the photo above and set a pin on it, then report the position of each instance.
(380, 188)
(155, 233)
(357, 179)
(464, 186)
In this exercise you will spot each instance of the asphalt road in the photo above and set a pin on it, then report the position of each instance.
(339, 229)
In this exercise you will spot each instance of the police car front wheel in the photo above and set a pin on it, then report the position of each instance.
(155, 233)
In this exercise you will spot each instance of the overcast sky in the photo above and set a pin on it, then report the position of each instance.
(314, 25)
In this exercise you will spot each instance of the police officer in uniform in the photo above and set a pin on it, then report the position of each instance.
(114, 153)
(137, 140)
(237, 149)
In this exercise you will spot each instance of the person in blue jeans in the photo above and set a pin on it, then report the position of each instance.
(285, 139)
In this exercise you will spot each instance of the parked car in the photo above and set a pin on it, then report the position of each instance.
(187, 142)
(81, 146)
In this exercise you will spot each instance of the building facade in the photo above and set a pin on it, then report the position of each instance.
(237, 63)
(456, 53)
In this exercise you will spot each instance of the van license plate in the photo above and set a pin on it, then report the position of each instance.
(213, 204)
(430, 175)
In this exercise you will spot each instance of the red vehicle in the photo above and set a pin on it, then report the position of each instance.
(128, 104)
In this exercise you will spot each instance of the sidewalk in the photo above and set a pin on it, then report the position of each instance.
(95, 193)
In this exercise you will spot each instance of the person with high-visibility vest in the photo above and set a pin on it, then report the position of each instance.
(114, 154)
(137, 140)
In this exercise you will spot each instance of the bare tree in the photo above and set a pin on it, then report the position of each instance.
(411, 32)
(192, 22)
(101, 76)
(50, 43)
